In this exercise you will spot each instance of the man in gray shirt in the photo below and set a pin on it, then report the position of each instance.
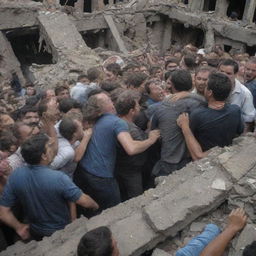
(174, 154)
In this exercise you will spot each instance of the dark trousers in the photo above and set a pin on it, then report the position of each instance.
(130, 181)
(105, 191)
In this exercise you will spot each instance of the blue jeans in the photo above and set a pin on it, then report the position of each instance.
(197, 244)
(105, 191)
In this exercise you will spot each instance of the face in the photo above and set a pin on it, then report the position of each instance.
(159, 74)
(201, 80)
(156, 92)
(84, 80)
(31, 118)
(136, 109)
(144, 70)
(171, 66)
(27, 131)
(107, 105)
(250, 71)
(229, 71)
(110, 76)
(63, 95)
(30, 91)
(50, 94)
(6, 120)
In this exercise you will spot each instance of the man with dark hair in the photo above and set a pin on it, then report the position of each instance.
(112, 72)
(29, 115)
(62, 92)
(96, 172)
(250, 77)
(98, 242)
(43, 193)
(129, 168)
(223, 125)
(239, 94)
(154, 90)
(171, 64)
(136, 81)
(174, 153)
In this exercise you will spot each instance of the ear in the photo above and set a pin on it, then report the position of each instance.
(44, 157)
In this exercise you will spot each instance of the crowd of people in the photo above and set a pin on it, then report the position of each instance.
(77, 149)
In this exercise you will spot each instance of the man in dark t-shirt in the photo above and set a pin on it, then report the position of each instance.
(213, 125)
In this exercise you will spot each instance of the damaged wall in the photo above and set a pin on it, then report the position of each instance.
(179, 199)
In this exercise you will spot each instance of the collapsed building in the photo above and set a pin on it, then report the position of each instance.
(44, 44)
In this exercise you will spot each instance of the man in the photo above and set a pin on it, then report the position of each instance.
(201, 79)
(43, 192)
(239, 94)
(62, 92)
(213, 125)
(96, 172)
(29, 116)
(174, 154)
(129, 168)
(171, 64)
(250, 77)
(98, 242)
(155, 91)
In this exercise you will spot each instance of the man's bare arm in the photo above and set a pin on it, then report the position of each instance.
(193, 145)
(87, 202)
(237, 221)
(7, 217)
(133, 147)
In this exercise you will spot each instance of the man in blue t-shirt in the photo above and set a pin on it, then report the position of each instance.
(44, 194)
(213, 125)
(96, 173)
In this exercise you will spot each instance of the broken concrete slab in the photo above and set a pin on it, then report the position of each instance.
(173, 212)
(159, 252)
(241, 162)
(115, 33)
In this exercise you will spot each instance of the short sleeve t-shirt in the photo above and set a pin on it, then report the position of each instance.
(213, 127)
(100, 155)
(44, 194)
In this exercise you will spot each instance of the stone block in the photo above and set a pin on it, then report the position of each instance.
(134, 236)
(159, 252)
(172, 213)
(241, 162)
(247, 236)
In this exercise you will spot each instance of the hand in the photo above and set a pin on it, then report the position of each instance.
(154, 135)
(88, 132)
(237, 219)
(5, 168)
(23, 231)
(183, 120)
(179, 95)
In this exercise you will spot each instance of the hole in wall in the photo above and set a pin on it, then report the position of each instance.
(209, 5)
(236, 7)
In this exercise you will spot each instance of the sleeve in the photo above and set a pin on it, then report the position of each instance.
(64, 155)
(154, 123)
(70, 191)
(240, 127)
(193, 121)
(120, 126)
(9, 197)
(248, 110)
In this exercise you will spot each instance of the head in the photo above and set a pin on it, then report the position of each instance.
(67, 104)
(94, 75)
(30, 116)
(23, 131)
(154, 89)
(98, 242)
(250, 70)
(8, 143)
(136, 81)
(218, 87)
(49, 105)
(71, 129)
(156, 72)
(230, 68)
(144, 69)
(128, 104)
(38, 150)
(83, 79)
(250, 250)
(5, 121)
(49, 94)
(109, 86)
(30, 90)
(171, 64)
(112, 71)
(201, 79)
(181, 80)
(62, 92)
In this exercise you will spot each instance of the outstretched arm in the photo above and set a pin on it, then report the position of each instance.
(193, 145)
(237, 221)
